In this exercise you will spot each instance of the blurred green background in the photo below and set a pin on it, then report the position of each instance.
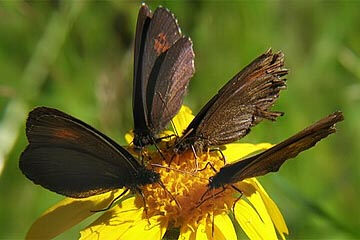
(77, 56)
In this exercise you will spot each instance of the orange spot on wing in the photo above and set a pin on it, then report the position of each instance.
(161, 44)
(65, 133)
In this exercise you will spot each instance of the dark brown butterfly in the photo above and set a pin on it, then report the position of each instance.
(67, 156)
(272, 159)
(163, 66)
(239, 105)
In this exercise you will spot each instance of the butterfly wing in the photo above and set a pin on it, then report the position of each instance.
(163, 67)
(139, 84)
(272, 159)
(168, 62)
(242, 103)
(67, 156)
(172, 81)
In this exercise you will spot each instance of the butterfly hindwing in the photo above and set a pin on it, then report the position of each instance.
(70, 157)
(175, 74)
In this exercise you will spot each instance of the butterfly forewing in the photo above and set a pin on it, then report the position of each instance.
(272, 159)
(162, 34)
(242, 103)
(142, 26)
(70, 157)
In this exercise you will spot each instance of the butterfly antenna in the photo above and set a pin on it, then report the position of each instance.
(172, 123)
(183, 137)
(112, 202)
(221, 153)
(173, 126)
(169, 193)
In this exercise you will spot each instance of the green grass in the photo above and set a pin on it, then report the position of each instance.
(78, 58)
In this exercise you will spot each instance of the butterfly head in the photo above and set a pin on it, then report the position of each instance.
(142, 139)
(217, 181)
(147, 176)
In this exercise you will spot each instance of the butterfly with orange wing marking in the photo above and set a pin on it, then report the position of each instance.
(69, 157)
(163, 66)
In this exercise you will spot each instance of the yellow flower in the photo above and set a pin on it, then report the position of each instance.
(255, 212)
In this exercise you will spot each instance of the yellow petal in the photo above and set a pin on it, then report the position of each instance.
(142, 230)
(236, 151)
(224, 228)
(114, 222)
(182, 119)
(202, 232)
(129, 137)
(250, 221)
(272, 209)
(186, 233)
(257, 202)
(66, 214)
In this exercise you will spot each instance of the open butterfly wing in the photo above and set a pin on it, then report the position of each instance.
(67, 156)
(272, 159)
(242, 103)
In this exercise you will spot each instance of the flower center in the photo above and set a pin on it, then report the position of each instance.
(188, 187)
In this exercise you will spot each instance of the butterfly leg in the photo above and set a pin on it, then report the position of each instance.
(196, 158)
(159, 151)
(212, 220)
(212, 225)
(202, 199)
(112, 202)
(221, 153)
(172, 158)
(138, 190)
(169, 193)
(140, 156)
(206, 165)
(234, 203)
